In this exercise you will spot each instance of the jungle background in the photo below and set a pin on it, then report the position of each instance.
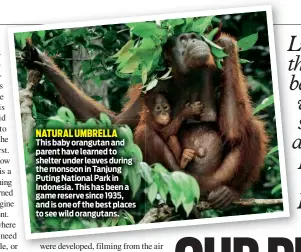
(85, 55)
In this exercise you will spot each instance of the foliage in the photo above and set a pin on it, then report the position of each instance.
(141, 57)
(182, 189)
(261, 91)
(107, 45)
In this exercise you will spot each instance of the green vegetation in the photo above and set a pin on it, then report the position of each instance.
(112, 58)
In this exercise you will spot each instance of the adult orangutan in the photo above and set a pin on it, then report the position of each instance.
(236, 139)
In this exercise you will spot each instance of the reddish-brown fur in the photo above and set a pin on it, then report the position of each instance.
(243, 134)
(149, 133)
(241, 129)
(148, 136)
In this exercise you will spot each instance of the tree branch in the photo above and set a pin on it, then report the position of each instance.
(162, 212)
(28, 122)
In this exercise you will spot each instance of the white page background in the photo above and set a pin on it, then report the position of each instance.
(284, 12)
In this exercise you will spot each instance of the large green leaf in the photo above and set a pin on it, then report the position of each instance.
(194, 187)
(134, 180)
(219, 53)
(147, 43)
(151, 85)
(146, 172)
(188, 207)
(90, 123)
(125, 132)
(265, 103)
(175, 193)
(175, 22)
(160, 168)
(124, 49)
(276, 189)
(163, 190)
(55, 122)
(273, 150)
(146, 49)
(131, 65)
(105, 120)
(201, 24)
(212, 44)
(123, 59)
(144, 74)
(248, 42)
(67, 115)
(152, 192)
(125, 171)
(134, 152)
(144, 29)
(183, 181)
(211, 34)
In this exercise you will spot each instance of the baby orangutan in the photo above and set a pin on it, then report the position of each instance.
(156, 128)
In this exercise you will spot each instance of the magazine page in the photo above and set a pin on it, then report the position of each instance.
(172, 131)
